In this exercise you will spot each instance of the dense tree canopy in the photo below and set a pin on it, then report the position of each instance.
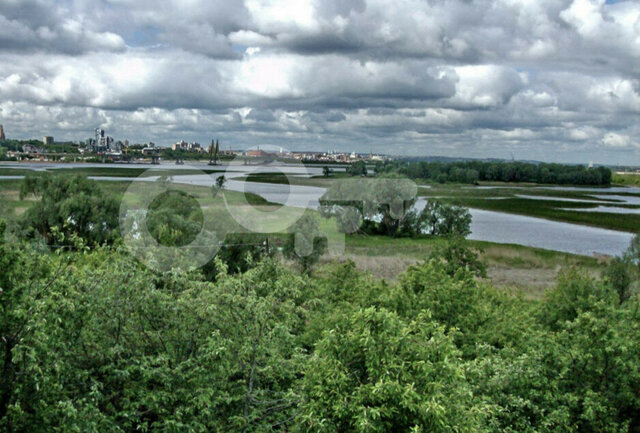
(374, 372)
(69, 206)
(358, 168)
(93, 342)
(174, 218)
(473, 171)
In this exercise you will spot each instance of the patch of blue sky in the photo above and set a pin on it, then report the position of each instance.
(143, 37)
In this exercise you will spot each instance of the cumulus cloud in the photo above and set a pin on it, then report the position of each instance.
(35, 25)
(612, 139)
(547, 79)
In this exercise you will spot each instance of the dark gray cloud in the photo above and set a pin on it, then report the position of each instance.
(37, 25)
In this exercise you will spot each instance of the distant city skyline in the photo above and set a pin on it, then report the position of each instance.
(547, 80)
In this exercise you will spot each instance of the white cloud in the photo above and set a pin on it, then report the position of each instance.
(611, 139)
(460, 77)
(486, 85)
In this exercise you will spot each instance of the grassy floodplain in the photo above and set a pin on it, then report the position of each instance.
(577, 208)
(563, 205)
(548, 203)
(626, 179)
(528, 269)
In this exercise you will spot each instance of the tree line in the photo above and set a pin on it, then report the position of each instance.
(471, 172)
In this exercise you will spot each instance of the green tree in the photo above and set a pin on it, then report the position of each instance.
(439, 219)
(218, 186)
(598, 368)
(384, 205)
(113, 347)
(358, 168)
(26, 279)
(239, 253)
(305, 243)
(575, 292)
(621, 274)
(393, 198)
(374, 372)
(248, 362)
(580, 377)
(456, 256)
(460, 301)
(74, 205)
(174, 218)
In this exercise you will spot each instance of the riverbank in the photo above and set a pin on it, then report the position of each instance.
(587, 221)
(600, 207)
(530, 270)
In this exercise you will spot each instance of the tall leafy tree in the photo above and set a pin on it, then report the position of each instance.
(358, 168)
(73, 205)
(305, 243)
(174, 218)
(383, 205)
(26, 280)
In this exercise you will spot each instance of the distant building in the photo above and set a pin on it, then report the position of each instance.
(2, 137)
(257, 153)
(47, 140)
(103, 144)
(30, 148)
(150, 149)
(231, 152)
(188, 147)
(178, 146)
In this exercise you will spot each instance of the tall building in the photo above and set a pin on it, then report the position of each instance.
(2, 137)
(47, 140)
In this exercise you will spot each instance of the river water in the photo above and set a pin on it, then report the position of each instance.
(486, 225)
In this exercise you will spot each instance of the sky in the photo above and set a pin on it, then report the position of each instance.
(549, 80)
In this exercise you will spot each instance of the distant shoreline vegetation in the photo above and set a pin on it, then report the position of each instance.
(467, 172)
(472, 172)
(626, 179)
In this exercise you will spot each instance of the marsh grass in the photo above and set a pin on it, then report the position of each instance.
(527, 270)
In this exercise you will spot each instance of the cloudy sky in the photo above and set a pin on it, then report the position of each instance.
(553, 80)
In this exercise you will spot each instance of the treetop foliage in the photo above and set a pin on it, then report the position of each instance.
(91, 341)
(473, 171)
(74, 205)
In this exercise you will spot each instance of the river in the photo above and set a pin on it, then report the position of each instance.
(486, 225)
